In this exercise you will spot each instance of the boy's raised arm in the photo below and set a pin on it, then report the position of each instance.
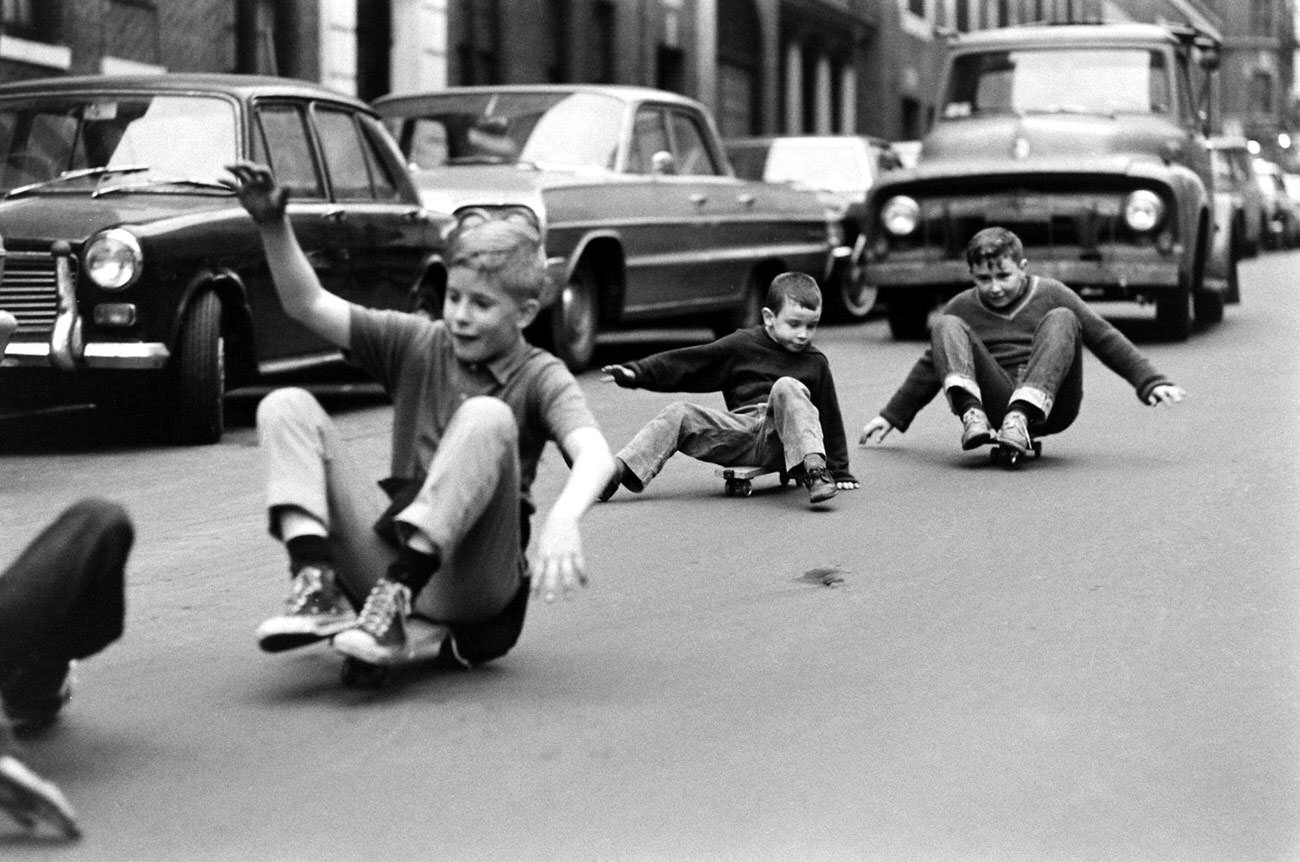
(560, 564)
(300, 291)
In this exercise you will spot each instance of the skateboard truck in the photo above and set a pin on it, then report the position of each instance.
(739, 480)
(1010, 456)
(424, 641)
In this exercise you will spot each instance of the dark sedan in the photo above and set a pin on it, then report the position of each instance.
(139, 282)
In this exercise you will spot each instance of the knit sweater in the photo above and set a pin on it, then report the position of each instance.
(743, 366)
(1009, 333)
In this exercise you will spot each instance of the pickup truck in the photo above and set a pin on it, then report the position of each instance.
(1087, 140)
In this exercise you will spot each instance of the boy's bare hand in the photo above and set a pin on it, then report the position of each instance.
(620, 374)
(560, 566)
(878, 426)
(258, 192)
(1166, 394)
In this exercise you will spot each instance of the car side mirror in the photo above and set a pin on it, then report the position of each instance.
(662, 163)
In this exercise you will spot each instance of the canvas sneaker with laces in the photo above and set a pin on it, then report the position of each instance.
(1015, 432)
(379, 636)
(32, 801)
(316, 609)
(975, 430)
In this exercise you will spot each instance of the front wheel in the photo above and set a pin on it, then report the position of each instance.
(909, 315)
(1174, 313)
(573, 321)
(852, 298)
(198, 374)
(748, 313)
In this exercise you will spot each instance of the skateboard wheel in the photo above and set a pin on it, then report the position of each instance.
(730, 489)
(746, 488)
(359, 674)
(1038, 449)
(785, 478)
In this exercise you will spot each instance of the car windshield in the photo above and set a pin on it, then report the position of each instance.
(80, 141)
(1091, 80)
(579, 130)
(828, 164)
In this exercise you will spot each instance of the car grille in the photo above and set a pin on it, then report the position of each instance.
(29, 291)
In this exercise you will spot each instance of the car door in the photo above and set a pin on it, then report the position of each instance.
(282, 140)
(385, 231)
(668, 222)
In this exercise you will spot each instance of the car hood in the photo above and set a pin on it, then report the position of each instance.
(1065, 143)
(450, 187)
(74, 218)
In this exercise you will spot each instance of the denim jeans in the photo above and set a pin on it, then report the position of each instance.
(468, 503)
(1051, 380)
(777, 434)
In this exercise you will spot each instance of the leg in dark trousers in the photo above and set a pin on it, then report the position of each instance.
(62, 599)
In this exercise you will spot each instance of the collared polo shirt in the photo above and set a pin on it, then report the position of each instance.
(413, 359)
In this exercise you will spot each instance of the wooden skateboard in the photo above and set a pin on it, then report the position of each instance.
(424, 641)
(739, 480)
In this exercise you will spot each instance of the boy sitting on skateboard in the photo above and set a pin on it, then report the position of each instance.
(473, 407)
(1008, 352)
(782, 412)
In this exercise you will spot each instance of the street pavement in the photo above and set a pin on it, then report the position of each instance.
(1091, 657)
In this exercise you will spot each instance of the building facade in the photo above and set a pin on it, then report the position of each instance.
(763, 66)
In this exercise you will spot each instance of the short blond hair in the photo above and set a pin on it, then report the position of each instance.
(508, 252)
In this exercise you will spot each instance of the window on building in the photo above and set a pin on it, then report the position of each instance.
(31, 19)
(1261, 17)
(916, 7)
(1261, 93)
(479, 48)
(602, 26)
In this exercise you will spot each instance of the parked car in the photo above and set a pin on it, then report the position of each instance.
(840, 168)
(1084, 139)
(1283, 214)
(642, 216)
(138, 280)
(1234, 179)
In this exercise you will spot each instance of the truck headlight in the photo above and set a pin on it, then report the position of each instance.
(1143, 210)
(113, 259)
(900, 215)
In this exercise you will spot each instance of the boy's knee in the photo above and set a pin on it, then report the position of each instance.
(488, 415)
(1061, 320)
(282, 403)
(786, 386)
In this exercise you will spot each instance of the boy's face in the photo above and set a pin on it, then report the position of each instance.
(1000, 281)
(793, 326)
(484, 320)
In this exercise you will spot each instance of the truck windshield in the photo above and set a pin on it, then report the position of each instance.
(155, 137)
(1059, 80)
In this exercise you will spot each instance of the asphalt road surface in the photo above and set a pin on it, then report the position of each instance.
(1092, 657)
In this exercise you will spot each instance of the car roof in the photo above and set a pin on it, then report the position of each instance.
(1032, 36)
(240, 86)
(625, 92)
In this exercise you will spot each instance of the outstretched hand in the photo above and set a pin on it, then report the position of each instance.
(620, 374)
(1166, 395)
(258, 191)
(560, 564)
(878, 426)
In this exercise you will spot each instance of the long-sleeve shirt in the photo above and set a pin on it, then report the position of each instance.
(1009, 333)
(743, 366)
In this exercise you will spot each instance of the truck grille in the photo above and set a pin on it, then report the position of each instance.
(29, 292)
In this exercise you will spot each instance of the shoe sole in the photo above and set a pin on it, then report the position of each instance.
(30, 799)
(977, 441)
(822, 496)
(279, 638)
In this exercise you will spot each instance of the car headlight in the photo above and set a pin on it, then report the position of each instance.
(521, 216)
(900, 215)
(1143, 210)
(113, 259)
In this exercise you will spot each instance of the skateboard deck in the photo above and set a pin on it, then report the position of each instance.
(739, 480)
(1010, 456)
(424, 641)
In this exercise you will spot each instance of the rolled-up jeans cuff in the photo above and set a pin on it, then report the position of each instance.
(1034, 396)
(958, 381)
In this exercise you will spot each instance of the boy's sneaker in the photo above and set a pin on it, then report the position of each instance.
(820, 485)
(316, 609)
(35, 692)
(31, 800)
(975, 430)
(379, 636)
(1015, 431)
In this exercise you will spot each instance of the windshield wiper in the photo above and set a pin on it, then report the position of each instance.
(67, 176)
(216, 185)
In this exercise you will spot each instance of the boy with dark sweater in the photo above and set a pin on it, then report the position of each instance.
(782, 411)
(1008, 352)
